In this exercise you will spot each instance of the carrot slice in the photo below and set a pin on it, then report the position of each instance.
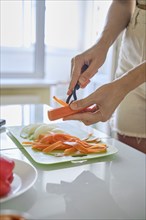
(61, 137)
(96, 150)
(47, 139)
(61, 102)
(70, 151)
(39, 146)
(63, 147)
(81, 148)
(99, 145)
(27, 143)
(52, 147)
(66, 142)
(83, 143)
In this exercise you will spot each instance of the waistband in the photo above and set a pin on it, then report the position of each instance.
(143, 7)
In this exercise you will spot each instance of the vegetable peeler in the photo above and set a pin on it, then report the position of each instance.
(77, 86)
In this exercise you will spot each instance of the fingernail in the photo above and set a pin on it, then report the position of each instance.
(69, 92)
(85, 84)
(83, 80)
(73, 105)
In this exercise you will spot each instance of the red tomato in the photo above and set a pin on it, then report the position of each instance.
(4, 188)
(6, 167)
(10, 178)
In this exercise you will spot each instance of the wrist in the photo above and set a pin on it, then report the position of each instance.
(133, 78)
(104, 41)
(106, 38)
(120, 88)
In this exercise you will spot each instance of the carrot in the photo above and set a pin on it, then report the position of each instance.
(39, 146)
(70, 151)
(61, 137)
(99, 145)
(63, 147)
(61, 112)
(96, 150)
(52, 147)
(66, 142)
(66, 110)
(83, 143)
(61, 102)
(80, 148)
(47, 139)
(27, 142)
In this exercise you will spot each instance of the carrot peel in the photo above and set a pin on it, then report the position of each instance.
(61, 102)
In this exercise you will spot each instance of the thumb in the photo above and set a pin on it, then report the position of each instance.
(83, 103)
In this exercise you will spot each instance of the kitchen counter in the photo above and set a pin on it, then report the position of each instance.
(111, 187)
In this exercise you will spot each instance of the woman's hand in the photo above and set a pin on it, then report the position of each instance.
(117, 19)
(105, 100)
(94, 58)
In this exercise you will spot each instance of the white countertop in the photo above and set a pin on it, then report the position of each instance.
(104, 188)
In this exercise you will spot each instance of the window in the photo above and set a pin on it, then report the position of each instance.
(100, 9)
(39, 38)
(62, 24)
(17, 37)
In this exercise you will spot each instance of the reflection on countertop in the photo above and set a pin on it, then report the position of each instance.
(78, 199)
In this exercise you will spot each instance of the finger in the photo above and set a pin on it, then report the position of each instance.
(75, 74)
(84, 79)
(87, 118)
(83, 86)
(92, 118)
(77, 116)
(69, 90)
(83, 103)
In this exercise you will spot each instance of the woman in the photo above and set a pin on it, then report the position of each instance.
(128, 91)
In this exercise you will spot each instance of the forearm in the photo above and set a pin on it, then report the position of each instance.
(132, 78)
(117, 19)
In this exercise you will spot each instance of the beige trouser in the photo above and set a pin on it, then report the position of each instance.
(130, 116)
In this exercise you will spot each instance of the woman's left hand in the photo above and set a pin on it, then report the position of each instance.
(105, 100)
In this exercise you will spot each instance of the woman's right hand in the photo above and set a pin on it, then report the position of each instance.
(94, 58)
(117, 19)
